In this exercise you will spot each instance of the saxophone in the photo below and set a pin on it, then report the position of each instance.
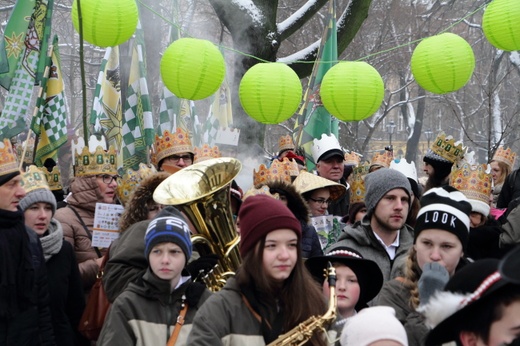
(300, 334)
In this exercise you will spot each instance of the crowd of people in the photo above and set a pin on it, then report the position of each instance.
(405, 263)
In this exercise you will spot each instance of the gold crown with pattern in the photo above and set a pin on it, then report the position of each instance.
(8, 162)
(446, 147)
(506, 156)
(131, 179)
(352, 159)
(382, 158)
(285, 143)
(98, 162)
(34, 179)
(262, 190)
(29, 153)
(474, 181)
(290, 165)
(206, 152)
(277, 171)
(357, 183)
(170, 144)
(53, 178)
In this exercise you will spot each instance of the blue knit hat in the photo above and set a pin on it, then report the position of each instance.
(169, 226)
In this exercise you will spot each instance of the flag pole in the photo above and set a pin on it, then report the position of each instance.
(82, 72)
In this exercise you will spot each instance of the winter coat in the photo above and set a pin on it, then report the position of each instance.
(32, 327)
(311, 245)
(85, 195)
(341, 206)
(126, 261)
(146, 312)
(67, 300)
(511, 227)
(225, 319)
(484, 241)
(510, 189)
(361, 238)
(397, 296)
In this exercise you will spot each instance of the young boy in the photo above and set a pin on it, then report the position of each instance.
(149, 310)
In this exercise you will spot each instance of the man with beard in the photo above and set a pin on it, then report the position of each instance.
(382, 235)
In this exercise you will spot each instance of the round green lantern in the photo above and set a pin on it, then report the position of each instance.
(106, 23)
(352, 90)
(501, 24)
(270, 92)
(192, 68)
(443, 63)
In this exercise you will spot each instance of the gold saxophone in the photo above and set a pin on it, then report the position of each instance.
(300, 334)
(202, 192)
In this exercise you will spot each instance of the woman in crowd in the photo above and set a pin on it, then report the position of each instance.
(67, 300)
(501, 166)
(358, 281)
(441, 235)
(272, 291)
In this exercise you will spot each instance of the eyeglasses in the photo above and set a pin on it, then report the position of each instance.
(321, 201)
(107, 178)
(176, 158)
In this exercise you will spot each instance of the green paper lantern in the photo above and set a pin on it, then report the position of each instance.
(443, 63)
(270, 92)
(106, 23)
(352, 90)
(501, 24)
(192, 68)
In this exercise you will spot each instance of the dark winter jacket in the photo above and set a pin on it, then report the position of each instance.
(146, 312)
(311, 245)
(341, 206)
(484, 241)
(510, 189)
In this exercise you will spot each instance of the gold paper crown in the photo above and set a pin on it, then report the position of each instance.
(290, 165)
(98, 162)
(352, 159)
(34, 179)
(262, 190)
(506, 156)
(382, 158)
(131, 179)
(8, 163)
(357, 183)
(285, 143)
(446, 147)
(172, 143)
(206, 153)
(29, 153)
(277, 171)
(53, 178)
(475, 182)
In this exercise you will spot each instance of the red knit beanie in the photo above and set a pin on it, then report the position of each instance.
(261, 214)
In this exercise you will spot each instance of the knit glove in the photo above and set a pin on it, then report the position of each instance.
(434, 277)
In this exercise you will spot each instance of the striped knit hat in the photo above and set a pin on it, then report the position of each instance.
(444, 208)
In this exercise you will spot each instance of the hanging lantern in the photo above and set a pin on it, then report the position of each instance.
(192, 69)
(443, 63)
(270, 92)
(501, 24)
(106, 23)
(352, 90)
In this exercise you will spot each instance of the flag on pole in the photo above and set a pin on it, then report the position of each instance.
(314, 120)
(221, 107)
(138, 132)
(170, 106)
(51, 122)
(12, 44)
(16, 112)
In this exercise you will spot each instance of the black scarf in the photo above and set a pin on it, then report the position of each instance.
(16, 269)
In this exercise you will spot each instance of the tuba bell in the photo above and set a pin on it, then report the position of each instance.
(202, 192)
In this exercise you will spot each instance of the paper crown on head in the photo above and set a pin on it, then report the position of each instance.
(277, 171)
(262, 190)
(34, 179)
(206, 152)
(475, 182)
(352, 159)
(506, 156)
(382, 158)
(405, 167)
(53, 178)
(130, 179)
(29, 153)
(8, 162)
(324, 144)
(285, 143)
(357, 183)
(94, 159)
(447, 149)
(172, 143)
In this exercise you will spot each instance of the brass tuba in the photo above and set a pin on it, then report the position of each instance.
(202, 192)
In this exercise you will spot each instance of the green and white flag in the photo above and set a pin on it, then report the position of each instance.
(168, 110)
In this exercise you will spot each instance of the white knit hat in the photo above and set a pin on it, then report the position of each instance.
(373, 324)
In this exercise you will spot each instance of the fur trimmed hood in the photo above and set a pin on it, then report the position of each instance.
(295, 201)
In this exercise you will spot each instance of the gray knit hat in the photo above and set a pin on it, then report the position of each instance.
(379, 182)
(38, 195)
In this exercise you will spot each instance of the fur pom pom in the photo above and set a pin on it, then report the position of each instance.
(441, 306)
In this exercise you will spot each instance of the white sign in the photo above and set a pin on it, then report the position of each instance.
(106, 224)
